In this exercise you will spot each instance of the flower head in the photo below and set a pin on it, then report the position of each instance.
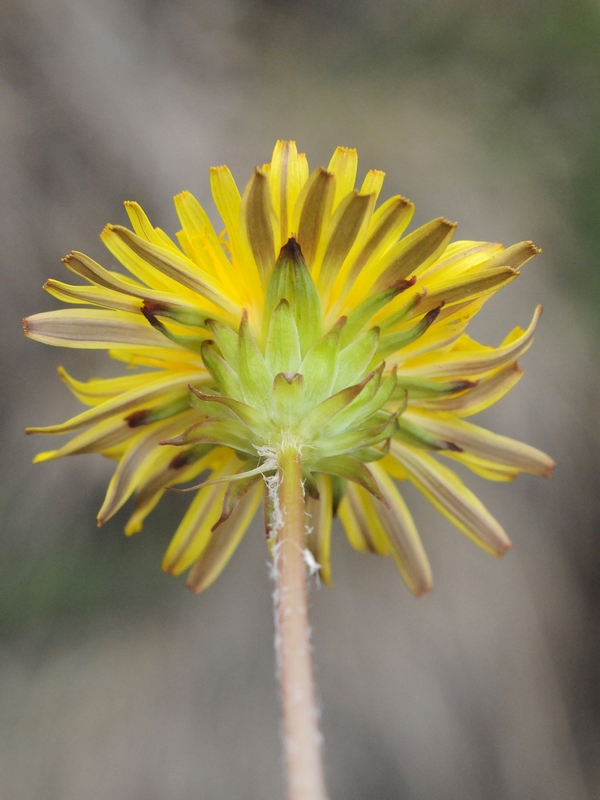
(311, 321)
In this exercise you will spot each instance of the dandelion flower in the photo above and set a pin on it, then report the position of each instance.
(312, 323)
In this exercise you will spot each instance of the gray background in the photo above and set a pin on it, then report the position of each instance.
(115, 681)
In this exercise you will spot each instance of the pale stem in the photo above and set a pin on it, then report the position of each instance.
(302, 739)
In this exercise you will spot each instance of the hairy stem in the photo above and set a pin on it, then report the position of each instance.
(302, 740)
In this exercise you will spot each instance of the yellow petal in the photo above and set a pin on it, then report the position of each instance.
(361, 523)
(144, 229)
(386, 226)
(373, 183)
(166, 470)
(138, 462)
(411, 255)
(437, 339)
(158, 386)
(484, 394)
(224, 540)
(343, 164)
(461, 257)
(193, 533)
(313, 211)
(205, 247)
(93, 295)
(483, 443)
(286, 179)
(401, 532)
(87, 268)
(444, 489)
(228, 202)
(489, 470)
(347, 226)
(104, 436)
(98, 390)
(261, 224)
(132, 251)
(93, 272)
(93, 330)
(515, 256)
(464, 364)
(466, 288)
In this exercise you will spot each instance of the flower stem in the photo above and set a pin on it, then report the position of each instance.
(302, 739)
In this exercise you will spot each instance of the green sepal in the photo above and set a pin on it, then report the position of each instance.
(226, 432)
(360, 437)
(310, 484)
(288, 398)
(352, 470)
(354, 359)
(291, 281)
(320, 365)
(424, 389)
(328, 410)
(366, 310)
(368, 454)
(210, 408)
(418, 437)
(248, 415)
(355, 409)
(226, 340)
(416, 251)
(146, 416)
(403, 313)
(383, 394)
(193, 343)
(185, 315)
(183, 459)
(235, 491)
(392, 342)
(282, 352)
(338, 488)
(255, 377)
(225, 377)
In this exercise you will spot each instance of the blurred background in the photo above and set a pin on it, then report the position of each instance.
(115, 680)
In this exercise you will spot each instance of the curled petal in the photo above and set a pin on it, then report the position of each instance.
(93, 330)
(223, 540)
(131, 250)
(450, 496)
(483, 443)
(143, 393)
(463, 363)
(477, 397)
(402, 534)
(363, 527)
(194, 530)
(136, 464)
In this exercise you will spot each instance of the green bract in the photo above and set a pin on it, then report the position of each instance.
(322, 393)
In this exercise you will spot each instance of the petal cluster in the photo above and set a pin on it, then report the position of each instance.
(313, 320)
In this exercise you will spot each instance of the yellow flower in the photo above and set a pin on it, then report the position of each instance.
(311, 319)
